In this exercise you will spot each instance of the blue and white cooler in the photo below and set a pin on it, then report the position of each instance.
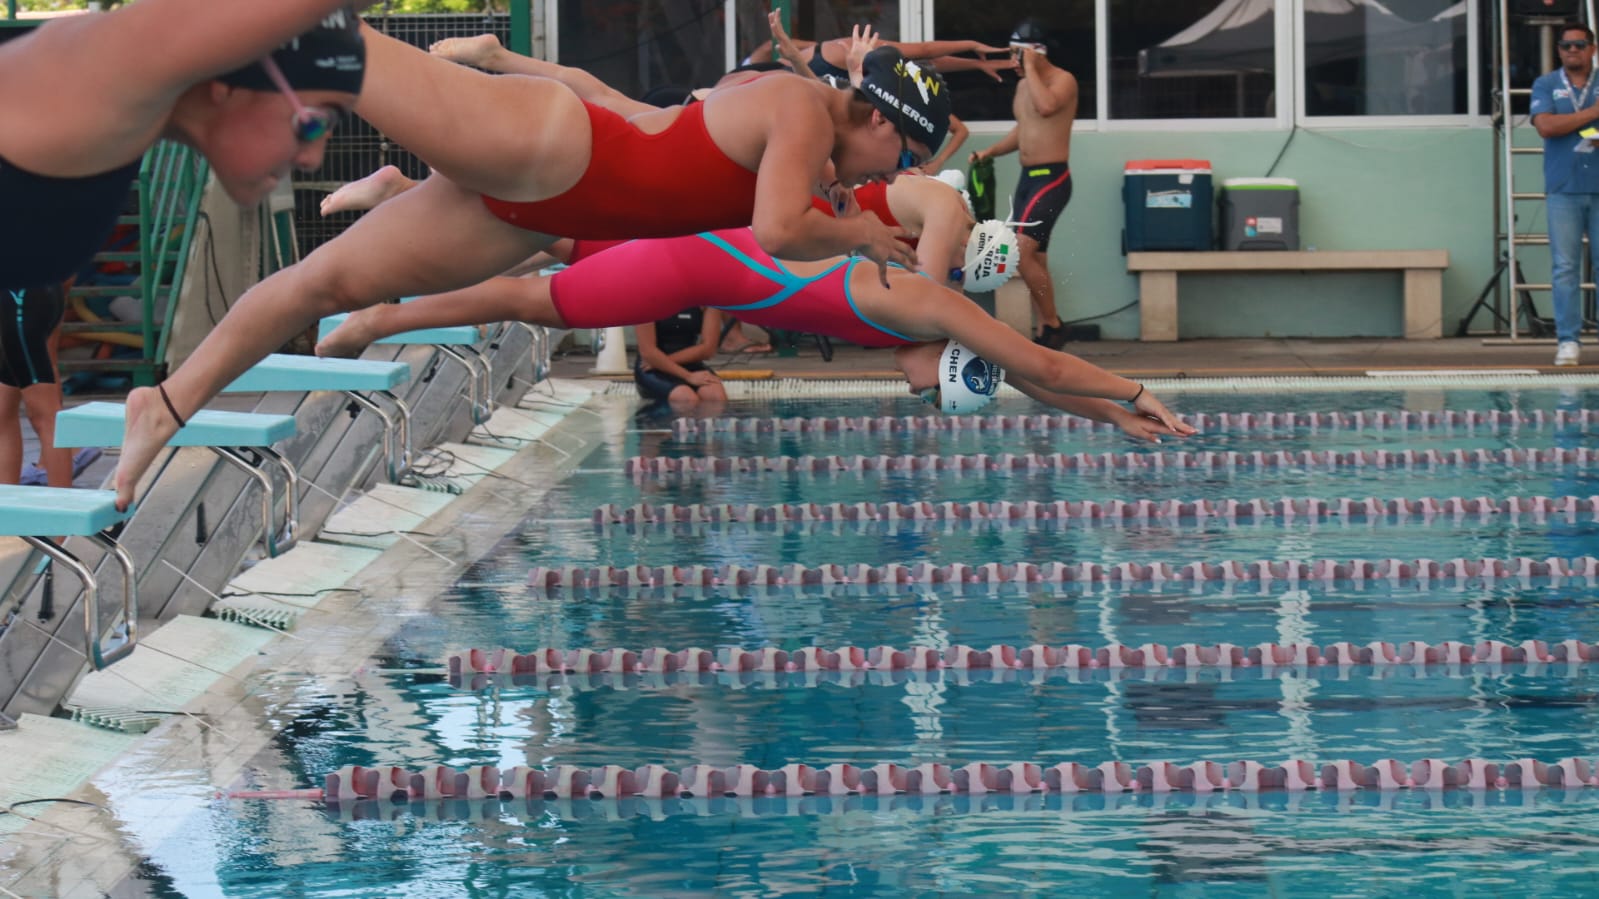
(1170, 205)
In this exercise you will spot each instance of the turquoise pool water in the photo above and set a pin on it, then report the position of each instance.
(407, 712)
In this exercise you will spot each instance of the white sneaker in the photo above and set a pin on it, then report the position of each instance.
(1568, 353)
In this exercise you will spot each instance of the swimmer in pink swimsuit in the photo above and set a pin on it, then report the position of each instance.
(526, 142)
(646, 280)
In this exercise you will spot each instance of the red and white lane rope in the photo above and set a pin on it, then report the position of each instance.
(985, 463)
(353, 783)
(1006, 656)
(1232, 570)
(582, 681)
(1089, 512)
(1207, 422)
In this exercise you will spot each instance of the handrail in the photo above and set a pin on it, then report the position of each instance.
(171, 183)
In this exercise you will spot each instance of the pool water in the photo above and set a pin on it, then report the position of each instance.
(1368, 843)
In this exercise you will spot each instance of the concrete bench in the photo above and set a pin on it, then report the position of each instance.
(227, 434)
(37, 514)
(362, 380)
(457, 342)
(1157, 281)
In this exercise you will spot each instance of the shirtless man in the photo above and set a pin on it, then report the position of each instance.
(1045, 108)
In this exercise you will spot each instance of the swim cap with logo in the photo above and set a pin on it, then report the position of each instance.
(914, 98)
(966, 381)
(992, 255)
(329, 57)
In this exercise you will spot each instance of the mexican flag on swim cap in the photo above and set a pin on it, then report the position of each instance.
(329, 57)
(914, 98)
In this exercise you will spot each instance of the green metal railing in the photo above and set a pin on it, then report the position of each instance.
(170, 186)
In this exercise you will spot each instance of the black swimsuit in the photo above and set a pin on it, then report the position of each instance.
(51, 227)
(827, 71)
(27, 319)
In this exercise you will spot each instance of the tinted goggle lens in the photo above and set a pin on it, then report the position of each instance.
(312, 125)
(930, 396)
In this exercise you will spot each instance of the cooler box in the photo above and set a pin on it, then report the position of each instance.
(1260, 214)
(1168, 205)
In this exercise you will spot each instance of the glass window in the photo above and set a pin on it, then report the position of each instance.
(1188, 59)
(813, 20)
(1069, 23)
(637, 47)
(1397, 58)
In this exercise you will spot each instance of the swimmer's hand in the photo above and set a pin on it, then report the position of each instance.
(862, 41)
(1155, 411)
(885, 245)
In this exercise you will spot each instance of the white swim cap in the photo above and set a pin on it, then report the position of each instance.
(992, 255)
(966, 381)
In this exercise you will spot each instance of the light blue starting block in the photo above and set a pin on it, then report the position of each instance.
(362, 380)
(457, 342)
(38, 513)
(228, 434)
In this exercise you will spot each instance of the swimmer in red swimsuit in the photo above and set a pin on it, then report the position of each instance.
(519, 161)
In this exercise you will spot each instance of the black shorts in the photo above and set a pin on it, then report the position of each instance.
(658, 385)
(1041, 196)
(27, 318)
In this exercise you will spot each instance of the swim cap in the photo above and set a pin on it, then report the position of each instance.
(915, 99)
(329, 57)
(966, 381)
(992, 255)
(1031, 31)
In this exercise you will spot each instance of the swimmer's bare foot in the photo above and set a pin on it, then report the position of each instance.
(146, 428)
(353, 335)
(368, 192)
(735, 345)
(469, 51)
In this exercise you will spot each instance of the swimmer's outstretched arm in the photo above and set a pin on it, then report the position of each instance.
(918, 307)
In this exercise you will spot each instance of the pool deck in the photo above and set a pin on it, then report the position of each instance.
(1186, 358)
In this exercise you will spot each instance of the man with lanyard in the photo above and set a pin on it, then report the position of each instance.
(1564, 108)
(1045, 108)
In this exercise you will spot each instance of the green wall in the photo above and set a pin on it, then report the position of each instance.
(1397, 188)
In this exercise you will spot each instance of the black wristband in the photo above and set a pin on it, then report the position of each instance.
(1138, 394)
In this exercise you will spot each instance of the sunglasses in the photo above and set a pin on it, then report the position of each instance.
(1573, 45)
(310, 124)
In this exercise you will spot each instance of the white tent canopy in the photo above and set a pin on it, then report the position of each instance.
(1239, 37)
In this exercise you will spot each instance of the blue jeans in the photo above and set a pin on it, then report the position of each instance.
(1571, 216)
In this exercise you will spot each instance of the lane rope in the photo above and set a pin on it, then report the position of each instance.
(1233, 570)
(1206, 422)
(642, 467)
(1111, 512)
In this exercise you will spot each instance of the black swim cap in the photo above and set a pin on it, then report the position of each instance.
(914, 98)
(329, 57)
(1031, 31)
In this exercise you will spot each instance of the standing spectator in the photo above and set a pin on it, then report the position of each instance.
(1563, 105)
(29, 329)
(1045, 108)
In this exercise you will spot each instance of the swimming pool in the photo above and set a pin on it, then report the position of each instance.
(403, 709)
